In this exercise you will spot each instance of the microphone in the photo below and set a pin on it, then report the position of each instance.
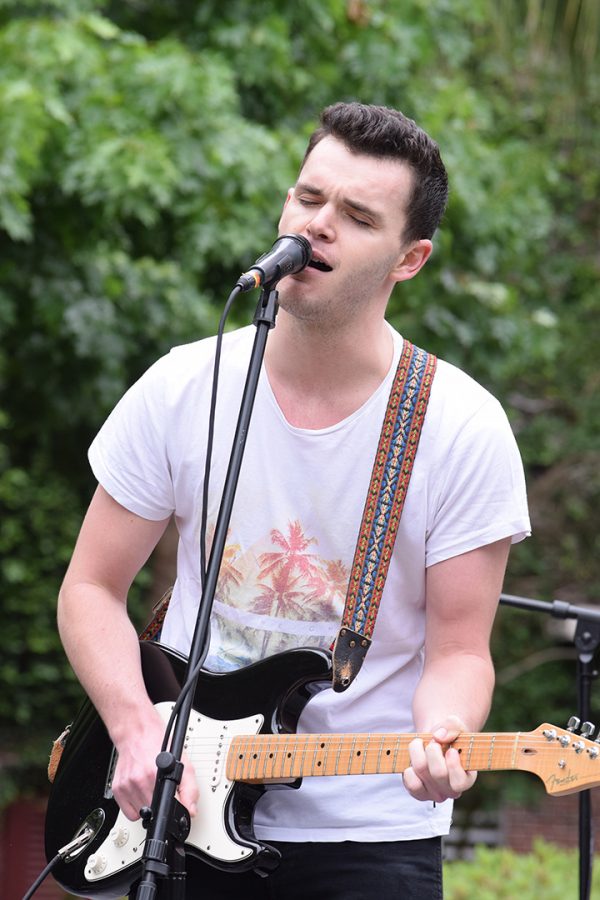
(289, 254)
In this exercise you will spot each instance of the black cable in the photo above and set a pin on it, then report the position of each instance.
(42, 877)
(211, 430)
(204, 513)
(78, 843)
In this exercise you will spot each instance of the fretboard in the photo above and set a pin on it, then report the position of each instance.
(266, 757)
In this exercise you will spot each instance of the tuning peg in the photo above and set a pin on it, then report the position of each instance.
(587, 729)
(573, 723)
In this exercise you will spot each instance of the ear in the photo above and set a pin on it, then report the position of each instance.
(412, 261)
(288, 197)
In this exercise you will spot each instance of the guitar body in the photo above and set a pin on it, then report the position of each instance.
(266, 697)
(241, 741)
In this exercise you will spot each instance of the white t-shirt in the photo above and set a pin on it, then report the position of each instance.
(291, 543)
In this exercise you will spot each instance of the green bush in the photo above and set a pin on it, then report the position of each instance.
(500, 874)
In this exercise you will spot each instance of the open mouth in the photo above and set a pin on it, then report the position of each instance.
(318, 264)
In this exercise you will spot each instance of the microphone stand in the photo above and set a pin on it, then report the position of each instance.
(167, 820)
(587, 639)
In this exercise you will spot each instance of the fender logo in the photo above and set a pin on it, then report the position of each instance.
(553, 781)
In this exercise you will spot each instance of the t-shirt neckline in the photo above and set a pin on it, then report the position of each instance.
(385, 386)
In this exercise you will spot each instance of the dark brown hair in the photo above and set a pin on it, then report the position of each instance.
(387, 133)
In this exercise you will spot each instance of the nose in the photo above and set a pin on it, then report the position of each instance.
(322, 224)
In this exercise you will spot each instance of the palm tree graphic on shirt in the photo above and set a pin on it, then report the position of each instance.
(288, 581)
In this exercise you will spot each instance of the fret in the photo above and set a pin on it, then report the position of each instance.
(269, 758)
(513, 762)
(365, 753)
(338, 757)
(351, 754)
(254, 760)
(304, 749)
(273, 756)
(292, 755)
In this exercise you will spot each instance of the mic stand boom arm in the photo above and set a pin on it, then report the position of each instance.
(167, 822)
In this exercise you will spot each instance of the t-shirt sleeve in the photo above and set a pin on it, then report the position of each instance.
(479, 495)
(129, 454)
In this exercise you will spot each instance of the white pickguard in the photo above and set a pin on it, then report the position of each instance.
(207, 745)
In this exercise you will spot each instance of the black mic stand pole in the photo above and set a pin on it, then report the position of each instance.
(167, 821)
(587, 640)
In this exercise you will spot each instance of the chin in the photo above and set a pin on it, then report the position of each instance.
(292, 299)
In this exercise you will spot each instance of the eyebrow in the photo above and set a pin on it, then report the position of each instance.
(353, 204)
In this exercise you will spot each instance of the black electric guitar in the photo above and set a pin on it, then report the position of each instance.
(242, 741)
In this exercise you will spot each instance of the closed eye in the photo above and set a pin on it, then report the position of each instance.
(361, 222)
(306, 202)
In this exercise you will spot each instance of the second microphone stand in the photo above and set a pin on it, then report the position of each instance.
(587, 640)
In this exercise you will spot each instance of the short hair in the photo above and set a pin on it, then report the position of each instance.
(388, 134)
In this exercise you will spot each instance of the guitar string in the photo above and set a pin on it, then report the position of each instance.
(331, 738)
(249, 750)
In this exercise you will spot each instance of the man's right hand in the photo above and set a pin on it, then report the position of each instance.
(104, 650)
(135, 774)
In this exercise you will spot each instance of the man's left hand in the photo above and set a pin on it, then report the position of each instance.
(436, 772)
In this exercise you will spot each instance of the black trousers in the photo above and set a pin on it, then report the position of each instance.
(407, 870)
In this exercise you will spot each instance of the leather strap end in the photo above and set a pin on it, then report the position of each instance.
(57, 749)
(349, 652)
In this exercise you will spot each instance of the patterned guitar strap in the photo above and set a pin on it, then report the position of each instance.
(391, 473)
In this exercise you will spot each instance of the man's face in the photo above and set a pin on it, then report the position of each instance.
(351, 207)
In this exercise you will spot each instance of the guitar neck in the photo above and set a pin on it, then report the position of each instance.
(268, 758)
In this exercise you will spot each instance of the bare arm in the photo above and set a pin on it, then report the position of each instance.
(455, 690)
(103, 647)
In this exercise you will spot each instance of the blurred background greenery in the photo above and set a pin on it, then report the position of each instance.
(145, 151)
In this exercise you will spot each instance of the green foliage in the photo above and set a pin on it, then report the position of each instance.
(547, 871)
(36, 538)
(146, 148)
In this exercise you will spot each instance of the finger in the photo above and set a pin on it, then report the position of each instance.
(419, 779)
(459, 779)
(133, 785)
(435, 777)
(418, 760)
(447, 731)
(419, 790)
(430, 768)
(446, 774)
(188, 789)
(129, 810)
(413, 784)
(130, 801)
(437, 769)
(412, 781)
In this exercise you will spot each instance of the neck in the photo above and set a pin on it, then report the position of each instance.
(320, 377)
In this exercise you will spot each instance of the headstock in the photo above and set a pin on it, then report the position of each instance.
(566, 760)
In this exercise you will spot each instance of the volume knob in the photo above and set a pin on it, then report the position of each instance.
(97, 863)
(119, 836)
